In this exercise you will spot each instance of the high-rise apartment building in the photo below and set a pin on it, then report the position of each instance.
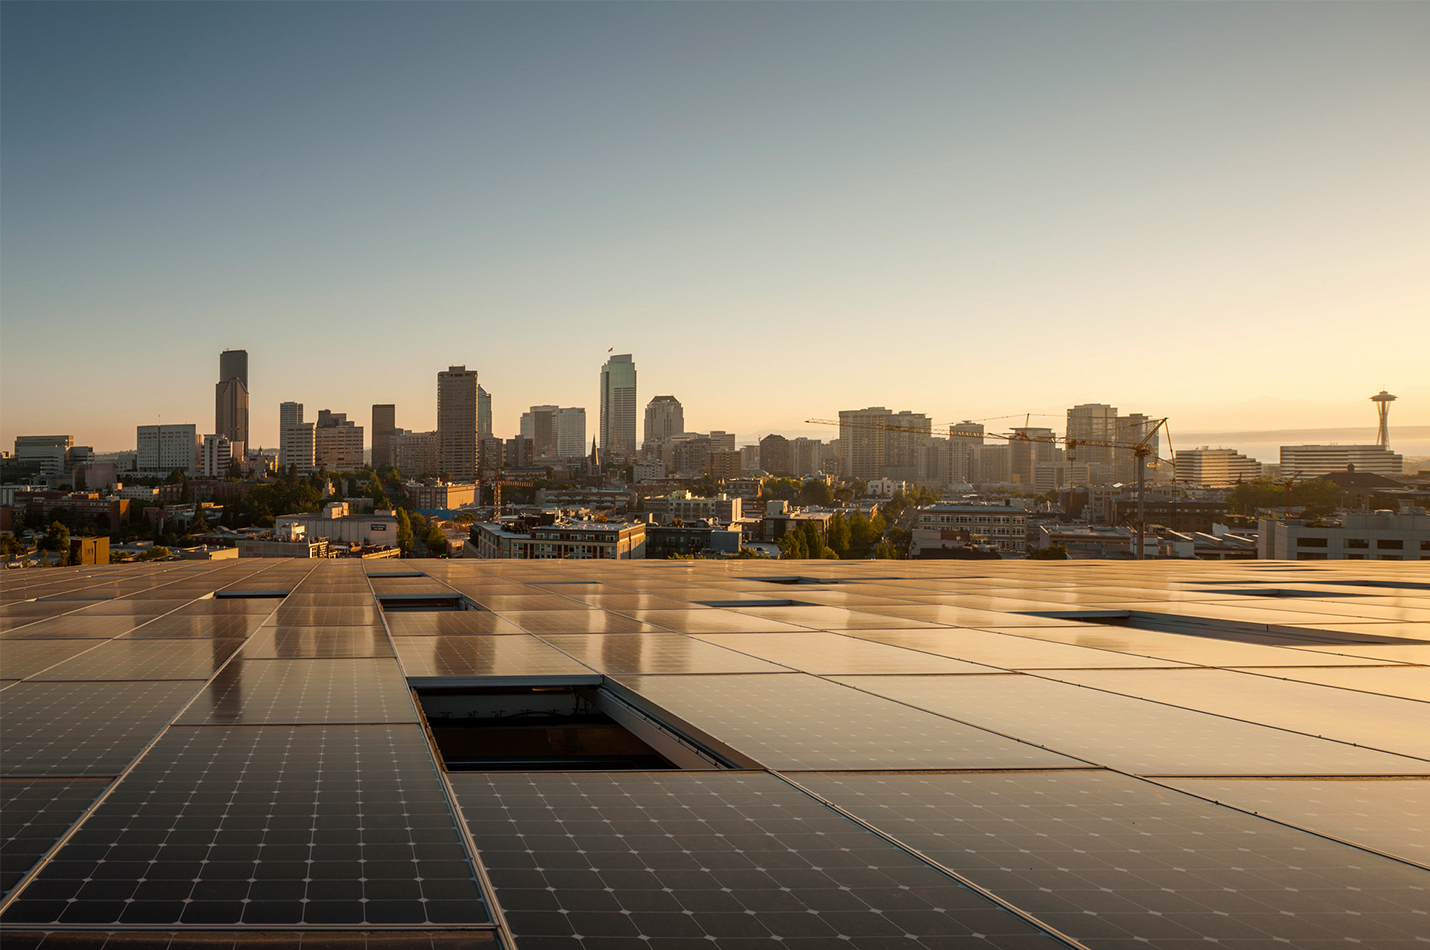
(231, 399)
(862, 441)
(722, 441)
(906, 447)
(555, 432)
(217, 455)
(414, 454)
(1029, 447)
(484, 413)
(163, 449)
(295, 439)
(1092, 421)
(618, 407)
(994, 464)
(1133, 428)
(804, 456)
(457, 422)
(965, 439)
(384, 427)
(571, 432)
(337, 442)
(664, 418)
(775, 455)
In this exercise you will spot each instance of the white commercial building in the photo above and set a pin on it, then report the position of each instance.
(296, 446)
(217, 455)
(1215, 468)
(1372, 536)
(335, 523)
(1310, 461)
(168, 448)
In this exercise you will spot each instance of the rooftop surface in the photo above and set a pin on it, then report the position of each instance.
(816, 754)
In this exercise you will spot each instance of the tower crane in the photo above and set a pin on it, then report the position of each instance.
(1141, 450)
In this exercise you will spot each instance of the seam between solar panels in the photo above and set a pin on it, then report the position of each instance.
(983, 892)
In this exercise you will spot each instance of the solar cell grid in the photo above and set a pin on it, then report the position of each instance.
(171, 627)
(37, 812)
(448, 623)
(268, 826)
(662, 859)
(22, 658)
(76, 729)
(484, 656)
(1379, 722)
(317, 642)
(274, 692)
(795, 721)
(122, 660)
(308, 616)
(1008, 651)
(574, 621)
(835, 653)
(656, 653)
(1150, 865)
(73, 628)
(707, 620)
(1390, 815)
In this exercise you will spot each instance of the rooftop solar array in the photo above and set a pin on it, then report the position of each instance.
(872, 754)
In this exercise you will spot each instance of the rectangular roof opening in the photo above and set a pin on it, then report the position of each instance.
(550, 727)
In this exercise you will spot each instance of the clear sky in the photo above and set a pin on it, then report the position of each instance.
(1218, 212)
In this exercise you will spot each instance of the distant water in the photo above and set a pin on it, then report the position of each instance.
(1265, 444)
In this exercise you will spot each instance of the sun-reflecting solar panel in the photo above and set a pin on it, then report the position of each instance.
(1112, 860)
(278, 692)
(22, 658)
(1390, 815)
(317, 642)
(448, 623)
(484, 656)
(124, 659)
(1130, 734)
(657, 653)
(266, 826)
(702, 859)
(36, 812)
(74, 729)
(795, 721)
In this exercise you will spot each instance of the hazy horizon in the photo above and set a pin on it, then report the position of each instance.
(1216, 213)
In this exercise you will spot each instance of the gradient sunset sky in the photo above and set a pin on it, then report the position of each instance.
(1217, 212)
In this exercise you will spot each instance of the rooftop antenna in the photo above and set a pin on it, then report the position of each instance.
(1382, 402)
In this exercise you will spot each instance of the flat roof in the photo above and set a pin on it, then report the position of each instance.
(925, 754)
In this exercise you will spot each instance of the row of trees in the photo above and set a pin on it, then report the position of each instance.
(1317, 496)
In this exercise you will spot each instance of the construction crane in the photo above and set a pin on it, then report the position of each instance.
(1141, 450)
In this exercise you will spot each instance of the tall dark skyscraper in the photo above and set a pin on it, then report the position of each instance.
(231, 397)
(384, 427)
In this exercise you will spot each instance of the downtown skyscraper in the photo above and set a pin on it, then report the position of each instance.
(618, 406)
(231, 399)
(457, 422)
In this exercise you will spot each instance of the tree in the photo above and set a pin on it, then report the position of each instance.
(749, 554)
(816, 494)
(57, 538)
(155, 553)
(837, 533)
(1318, 496)
(886, 552)
(1053, 552)
(792, 547)
(404, 532)
(10, 546)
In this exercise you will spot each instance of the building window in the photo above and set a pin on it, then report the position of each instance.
(1391, 557)
(1310, 556)
(1310, 542)
(1357, 543)
(1390, 544)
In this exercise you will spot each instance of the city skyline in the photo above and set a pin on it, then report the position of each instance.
(1202, 201)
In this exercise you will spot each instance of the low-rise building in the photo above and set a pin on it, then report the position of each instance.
(580, 540)
(1366, 536)
(336, 523)
(439, 495)
(685, 507)
(1002, 526)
